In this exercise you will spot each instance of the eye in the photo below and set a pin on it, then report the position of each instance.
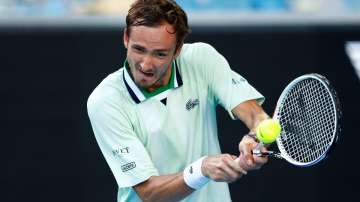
(160, 54)
(139, 49)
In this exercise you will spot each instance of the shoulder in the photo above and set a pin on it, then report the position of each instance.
(197, 55)
(197, 50)
(200, 59)
(110, 94)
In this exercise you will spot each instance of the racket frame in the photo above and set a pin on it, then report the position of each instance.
(336, 109)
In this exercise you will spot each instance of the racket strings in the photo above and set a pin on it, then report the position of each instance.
(308, 120)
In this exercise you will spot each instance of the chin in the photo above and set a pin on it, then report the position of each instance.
(144, 84)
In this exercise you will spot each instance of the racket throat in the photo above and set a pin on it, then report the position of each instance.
(267, 153)
(257, 152)
(272, 154)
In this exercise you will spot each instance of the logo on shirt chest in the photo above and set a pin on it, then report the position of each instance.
(191, 104)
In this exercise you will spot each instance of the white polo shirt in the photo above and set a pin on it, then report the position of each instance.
(142, 137)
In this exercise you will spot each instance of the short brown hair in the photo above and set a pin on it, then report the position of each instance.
(153, 13)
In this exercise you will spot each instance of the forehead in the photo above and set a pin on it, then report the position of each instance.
(162, 36)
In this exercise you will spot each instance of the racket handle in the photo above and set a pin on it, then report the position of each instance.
(257, 150)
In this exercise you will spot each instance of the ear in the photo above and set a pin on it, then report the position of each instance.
(126, 38)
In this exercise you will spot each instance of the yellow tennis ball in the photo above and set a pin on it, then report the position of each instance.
(268, 130)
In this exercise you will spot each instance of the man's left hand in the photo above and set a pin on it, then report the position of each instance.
(246, 159)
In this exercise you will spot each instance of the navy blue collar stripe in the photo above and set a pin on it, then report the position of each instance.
(132, 94)
(178, 76)
(136, 94)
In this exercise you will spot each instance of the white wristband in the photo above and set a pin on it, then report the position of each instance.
(193, 176)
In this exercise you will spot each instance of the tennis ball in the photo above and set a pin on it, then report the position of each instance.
(268, 130)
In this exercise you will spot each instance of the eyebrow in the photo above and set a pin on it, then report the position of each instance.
(143, 48)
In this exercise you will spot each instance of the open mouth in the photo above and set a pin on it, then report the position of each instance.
(147, 74)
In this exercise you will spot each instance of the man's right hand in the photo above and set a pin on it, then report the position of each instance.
(172, 187)
(222, 168)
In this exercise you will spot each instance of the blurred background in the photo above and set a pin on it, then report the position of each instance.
(63, 8)
(214, 12)
(55, 52)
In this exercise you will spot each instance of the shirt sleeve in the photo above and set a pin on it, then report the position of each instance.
(125, 154)
(227, 87)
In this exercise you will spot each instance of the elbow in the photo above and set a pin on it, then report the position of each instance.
(146, 191)
(146, 196)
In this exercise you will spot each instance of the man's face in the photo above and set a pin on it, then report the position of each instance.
(150, 51)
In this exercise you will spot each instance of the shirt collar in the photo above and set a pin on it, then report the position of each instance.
(136, 93)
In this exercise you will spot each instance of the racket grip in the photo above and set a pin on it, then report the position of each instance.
(257, 151)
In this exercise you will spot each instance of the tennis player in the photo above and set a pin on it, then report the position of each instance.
(155, 120)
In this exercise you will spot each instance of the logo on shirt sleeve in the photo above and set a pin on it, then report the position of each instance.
(128, 166)
(117, 152)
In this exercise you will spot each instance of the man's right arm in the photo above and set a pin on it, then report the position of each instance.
(163, 188)
(220, 168)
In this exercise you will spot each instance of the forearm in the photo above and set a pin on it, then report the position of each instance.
(250, 113)
(163, 188)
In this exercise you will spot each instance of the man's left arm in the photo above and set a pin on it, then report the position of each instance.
(229, 89)
(251, 114)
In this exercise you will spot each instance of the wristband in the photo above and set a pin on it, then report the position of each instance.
(193, 176)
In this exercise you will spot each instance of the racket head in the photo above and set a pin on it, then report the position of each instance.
(309, 113)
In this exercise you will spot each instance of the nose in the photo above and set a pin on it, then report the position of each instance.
(146, 64)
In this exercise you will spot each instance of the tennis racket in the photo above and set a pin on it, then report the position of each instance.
(309, 114)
